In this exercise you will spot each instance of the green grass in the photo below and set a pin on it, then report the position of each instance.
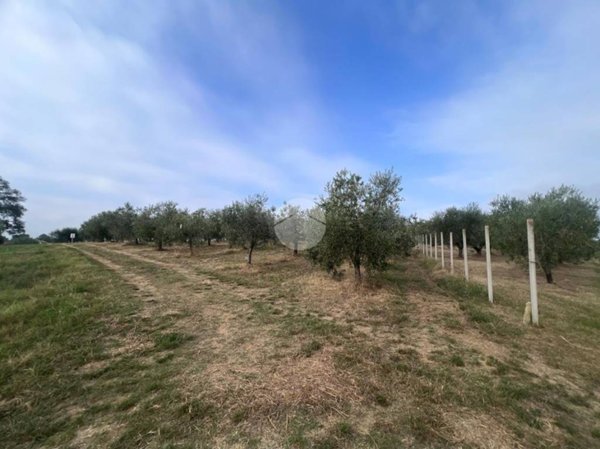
(84, 362)
(62, 317)
(472, 299)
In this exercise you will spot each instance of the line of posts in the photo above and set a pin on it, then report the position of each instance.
(430, 245)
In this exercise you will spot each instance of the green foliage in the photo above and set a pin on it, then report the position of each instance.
(44, 238)
(248, 223)
(114, 225)
(214, 226)
(566, 227)
(159, 223)
(11, 210)
(22, 239)
(63, 235)
(470, 218)
(363, 225)
(192, 227)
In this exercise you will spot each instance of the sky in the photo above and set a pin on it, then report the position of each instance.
(206, 101)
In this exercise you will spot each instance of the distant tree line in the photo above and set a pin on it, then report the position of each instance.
(364, 227)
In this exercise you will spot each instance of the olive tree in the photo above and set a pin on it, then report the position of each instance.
(471, 218)
(566, 227)
(121, 223)
(114, 225)
(97, 227)
(159, 223)
(248, 223)
(362, 222)
(192, 227)
(213, 229)
(11, 210)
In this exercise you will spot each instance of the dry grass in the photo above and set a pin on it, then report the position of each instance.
(281, 355)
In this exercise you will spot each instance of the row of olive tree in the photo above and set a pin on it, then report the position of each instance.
(363, 224)
(567, 227)
(247, 223)
(161, 223)
(454, 220)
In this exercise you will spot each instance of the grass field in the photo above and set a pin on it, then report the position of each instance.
(106, 345)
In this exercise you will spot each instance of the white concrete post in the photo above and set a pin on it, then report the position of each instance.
(464, 235)
(436, 245)
(532, 272)
(423, 243)
(451, 255)
(442, 248)
(488, 262)
(430, 245)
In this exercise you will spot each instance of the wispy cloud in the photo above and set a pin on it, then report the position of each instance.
(529, 122)
(102, 102)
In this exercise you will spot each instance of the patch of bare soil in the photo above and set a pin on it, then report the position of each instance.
(272, 389)
(479, 430)
(141, 283)
(105, 432)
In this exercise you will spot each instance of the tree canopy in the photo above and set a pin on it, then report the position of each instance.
(566, 227)
(362, 222)
(11, 210)
(471, 218)
(159, 223)
(63, 235)
(248, 223)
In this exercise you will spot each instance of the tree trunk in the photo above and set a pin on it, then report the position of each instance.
(250, 254)
(208, 241)
(160, 245)
(191, 243)
(549, 278)
(460, 252)
(478, 249)
(295, 248)
(357, 273)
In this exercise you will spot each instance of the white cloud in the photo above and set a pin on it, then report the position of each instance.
(95, 110)
(530, 123)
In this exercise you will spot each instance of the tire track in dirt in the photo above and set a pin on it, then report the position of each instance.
(186, 300)
(139, 282)
(251, 361)
(188, 273)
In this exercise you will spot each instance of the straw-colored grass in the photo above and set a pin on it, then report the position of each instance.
(212, 353)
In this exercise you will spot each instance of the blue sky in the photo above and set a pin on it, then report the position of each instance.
(204, 102)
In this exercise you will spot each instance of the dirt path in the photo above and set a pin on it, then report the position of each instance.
(245, 359)
(239, 357)
(139, 282)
